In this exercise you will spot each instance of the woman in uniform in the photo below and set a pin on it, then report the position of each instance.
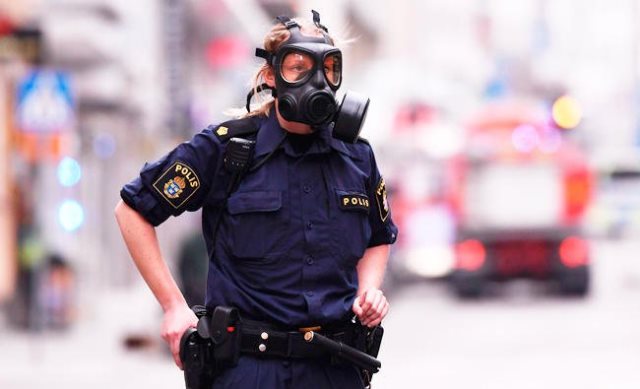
(294, 215)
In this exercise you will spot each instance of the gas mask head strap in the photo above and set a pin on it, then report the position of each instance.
(316, 21)
(289, 24)
(296, 36)
(262, 53)
(258, 89)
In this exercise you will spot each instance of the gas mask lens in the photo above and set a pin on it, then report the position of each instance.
(333, 68)
(296, 66)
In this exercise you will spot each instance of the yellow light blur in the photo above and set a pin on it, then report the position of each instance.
(566, 112)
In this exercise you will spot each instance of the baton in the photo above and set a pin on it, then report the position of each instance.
(339, 349)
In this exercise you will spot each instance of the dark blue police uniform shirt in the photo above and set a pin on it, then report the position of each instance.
(292, 233)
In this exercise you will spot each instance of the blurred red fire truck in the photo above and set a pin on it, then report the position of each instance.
(519, 191)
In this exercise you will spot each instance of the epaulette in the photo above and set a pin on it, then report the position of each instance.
(236, 128)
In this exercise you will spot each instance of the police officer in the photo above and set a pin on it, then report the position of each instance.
(301, 238)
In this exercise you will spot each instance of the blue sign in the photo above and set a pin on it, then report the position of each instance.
(45, 104)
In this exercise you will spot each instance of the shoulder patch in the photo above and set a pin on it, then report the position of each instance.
(238, 127)
(381, 199)
(177, 184)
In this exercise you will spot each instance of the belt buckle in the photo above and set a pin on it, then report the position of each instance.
(307, 329)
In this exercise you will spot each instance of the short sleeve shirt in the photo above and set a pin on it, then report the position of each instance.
(289, 236)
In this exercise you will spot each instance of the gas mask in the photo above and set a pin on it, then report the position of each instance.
(308, 72)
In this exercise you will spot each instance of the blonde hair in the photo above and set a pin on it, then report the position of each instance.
(272, 41)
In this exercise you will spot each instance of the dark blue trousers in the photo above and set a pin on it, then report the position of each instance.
(263, 373)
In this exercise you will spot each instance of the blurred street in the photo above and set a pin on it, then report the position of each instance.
(521, 337)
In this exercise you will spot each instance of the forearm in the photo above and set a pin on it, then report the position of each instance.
(372, 267)
(142, 243)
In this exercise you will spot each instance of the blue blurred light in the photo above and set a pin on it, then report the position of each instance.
(69, 172)
(496, 88)
(70, 215)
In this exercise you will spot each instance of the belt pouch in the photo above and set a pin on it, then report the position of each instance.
(225, 333)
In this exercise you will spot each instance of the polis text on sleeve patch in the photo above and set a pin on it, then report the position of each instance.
(381, 199)
(355, 201)
(177, 184)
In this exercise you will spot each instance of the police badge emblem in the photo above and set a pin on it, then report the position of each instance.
(174, 187)
(177, 184)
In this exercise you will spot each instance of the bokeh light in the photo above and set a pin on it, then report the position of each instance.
(525, 138)
(69, 172)
(70, 215)
(550, 140)
(566, 112)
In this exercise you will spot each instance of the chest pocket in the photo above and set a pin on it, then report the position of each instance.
(256, 224)
(352, 231)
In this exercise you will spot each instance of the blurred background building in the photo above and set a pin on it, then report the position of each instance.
(92, 89)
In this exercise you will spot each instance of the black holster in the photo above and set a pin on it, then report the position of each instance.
(368, 340)
(199, 365)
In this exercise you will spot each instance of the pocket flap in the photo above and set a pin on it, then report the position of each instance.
(262, 201)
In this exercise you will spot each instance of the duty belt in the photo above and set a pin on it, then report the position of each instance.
(222, 336)
(261, 339)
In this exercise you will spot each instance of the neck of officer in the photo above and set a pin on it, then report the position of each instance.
(293, 127)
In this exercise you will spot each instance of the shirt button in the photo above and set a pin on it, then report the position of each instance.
(309, 225)
(306, 189)
(309, 260)
(309, 293)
